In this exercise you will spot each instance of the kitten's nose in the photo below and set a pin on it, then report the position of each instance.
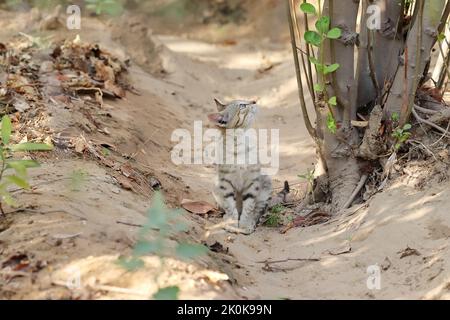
(253, 102)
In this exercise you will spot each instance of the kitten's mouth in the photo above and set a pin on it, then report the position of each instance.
(218, 119)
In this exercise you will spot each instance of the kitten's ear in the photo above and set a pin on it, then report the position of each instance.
(220, 105)
(218, 119)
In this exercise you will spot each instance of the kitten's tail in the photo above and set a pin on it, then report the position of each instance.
(282, 195)
(286, 188)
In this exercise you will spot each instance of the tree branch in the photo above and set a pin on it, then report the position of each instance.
(309, 127)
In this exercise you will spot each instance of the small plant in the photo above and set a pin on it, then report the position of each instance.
(77, 179)
(317, 39)
(19, 178)
(395, 117)
(106, 152)
(110, 7)
(309, 177)
(401, 135)
(165, 224)
(275, 219)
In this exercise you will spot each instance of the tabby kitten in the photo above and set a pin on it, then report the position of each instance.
(240, 190)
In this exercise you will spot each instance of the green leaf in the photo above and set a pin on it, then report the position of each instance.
(6, 129)
(308, 8)
(146, 247)
(20, 166)
(334, 33)
(181, 227)
(318, 87)
(113, 9)
(77, 179)
(22, 183)
(167, 293)
(314, 61)
(12, 164)
(332, 101)
(21, 170)
(313, 38)
(395, 116)
(407, 127)
(189, 251)
(323, 25)
(29, 146)
(8, 199)
(331, 68)
(331, 123)
(156, 215)
(441, 37)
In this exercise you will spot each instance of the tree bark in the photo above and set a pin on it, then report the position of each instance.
(389, 41)
(386, 45)
(404, 86)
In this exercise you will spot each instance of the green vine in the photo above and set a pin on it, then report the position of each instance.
(317, 39)
(20, 167)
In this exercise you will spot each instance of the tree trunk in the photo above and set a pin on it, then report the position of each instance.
(385, 44)
(417, 54)
(343, 169)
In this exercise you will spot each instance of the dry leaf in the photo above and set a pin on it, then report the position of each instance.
(124, 182)
(409, 252)
(229, 42)
(386, 264)
(80, 145)
(115, 89)
(20, 104)
(197, 207)
(104, 72)
(213, 276)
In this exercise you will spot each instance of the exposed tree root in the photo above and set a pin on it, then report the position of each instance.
(430, 122)
(372, 146)
(358, 188)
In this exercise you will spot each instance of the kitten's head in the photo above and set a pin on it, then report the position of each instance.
(238, 114)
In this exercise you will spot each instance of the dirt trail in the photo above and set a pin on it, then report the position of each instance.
(375, 234)
(79, 230)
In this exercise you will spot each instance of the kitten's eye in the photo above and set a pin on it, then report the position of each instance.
(242, 106)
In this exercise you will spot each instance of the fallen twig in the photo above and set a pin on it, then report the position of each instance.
(66, 236)
(287, 260)
(47, 212)
(129, 224)
(424, 146)
(429, 123)
(425, 110)
(442, 136)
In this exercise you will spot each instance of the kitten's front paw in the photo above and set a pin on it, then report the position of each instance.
(247, 228)
(247, 231)
(230, 222)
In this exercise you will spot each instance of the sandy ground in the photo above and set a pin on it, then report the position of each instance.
(403, 230)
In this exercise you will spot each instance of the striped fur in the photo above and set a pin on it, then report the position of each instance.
(240, 190)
